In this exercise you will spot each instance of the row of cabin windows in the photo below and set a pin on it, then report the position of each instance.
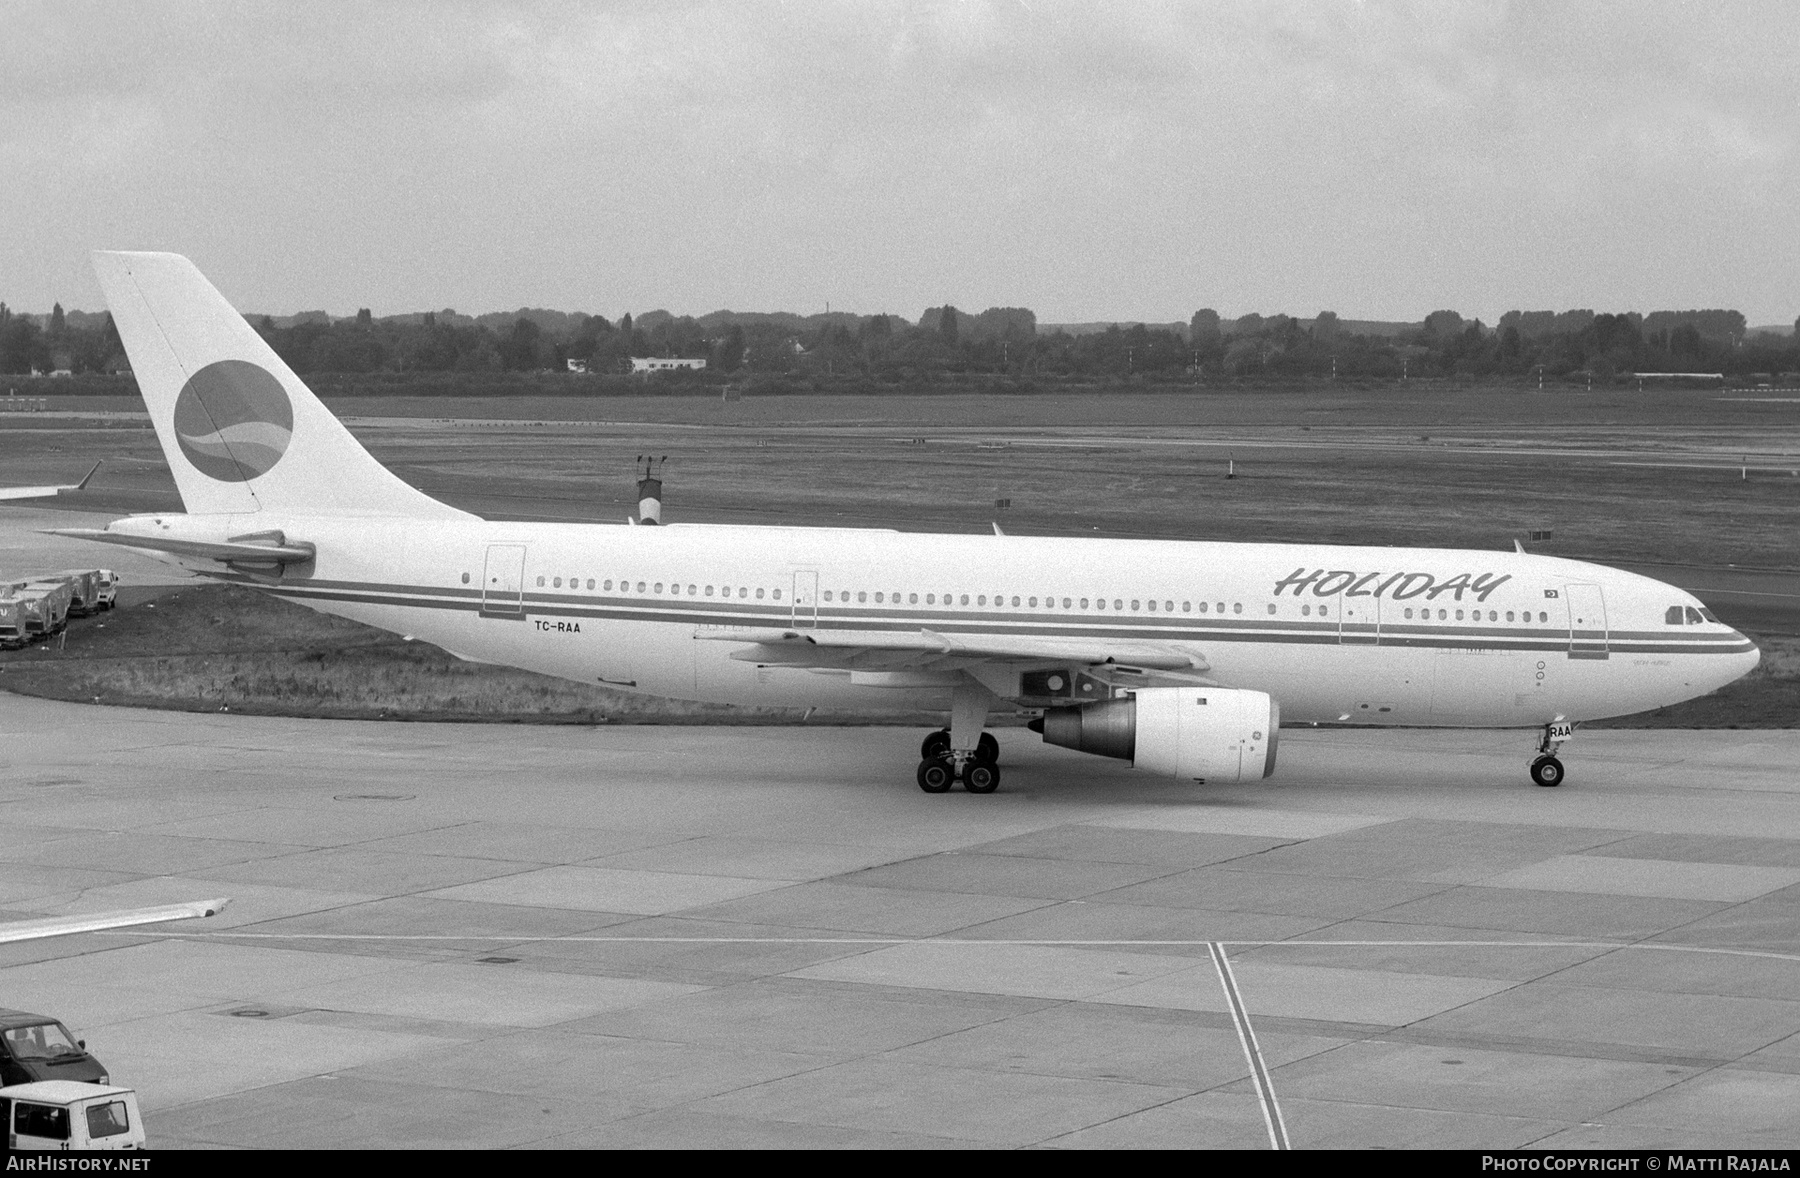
(743, 592)
(1118, 603)
(1493, 615)
(1000, 599)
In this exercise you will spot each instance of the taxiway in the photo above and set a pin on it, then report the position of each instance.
(489, 935)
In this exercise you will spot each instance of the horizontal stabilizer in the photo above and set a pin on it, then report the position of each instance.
(50, 491)
(62, 926)
(249, 550)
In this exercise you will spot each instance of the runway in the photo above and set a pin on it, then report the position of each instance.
(555, 937)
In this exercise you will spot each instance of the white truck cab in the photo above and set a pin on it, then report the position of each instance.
(68, 1114)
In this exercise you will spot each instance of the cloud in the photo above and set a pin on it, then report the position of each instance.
(1087, 159)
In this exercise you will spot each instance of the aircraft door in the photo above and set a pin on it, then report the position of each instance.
(1359, 621)
(806, 597)
(1587, 621)
(503, 581)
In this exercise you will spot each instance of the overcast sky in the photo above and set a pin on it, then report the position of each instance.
(1089, 161)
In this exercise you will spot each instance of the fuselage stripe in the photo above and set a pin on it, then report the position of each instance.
(749, 615)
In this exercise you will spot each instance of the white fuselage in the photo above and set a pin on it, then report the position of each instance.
(1336, 634)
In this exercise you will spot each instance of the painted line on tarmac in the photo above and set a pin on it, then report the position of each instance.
(1259, 1071)
(1740, 592)
(1034, 942)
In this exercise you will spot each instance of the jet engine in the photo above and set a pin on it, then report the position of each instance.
(1214, 734)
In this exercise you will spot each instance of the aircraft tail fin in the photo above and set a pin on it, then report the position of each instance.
(240, 431)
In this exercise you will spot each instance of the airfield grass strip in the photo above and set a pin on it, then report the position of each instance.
(212, 648)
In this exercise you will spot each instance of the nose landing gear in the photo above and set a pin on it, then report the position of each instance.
(1547, 770)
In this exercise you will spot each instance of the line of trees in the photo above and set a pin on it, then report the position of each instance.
(949, 342)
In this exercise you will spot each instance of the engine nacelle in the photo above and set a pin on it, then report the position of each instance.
(1215, 734)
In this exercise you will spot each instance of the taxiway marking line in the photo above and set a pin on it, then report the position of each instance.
(1051, 943)
(1259, 1071)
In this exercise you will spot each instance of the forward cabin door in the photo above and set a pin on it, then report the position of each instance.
(1587, 622)
(503, 581)
(806, 597)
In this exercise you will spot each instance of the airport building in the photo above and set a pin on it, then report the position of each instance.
(663, 363)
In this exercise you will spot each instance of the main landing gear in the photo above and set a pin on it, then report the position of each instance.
(977, 762)
(938, 770)
(1547, 770)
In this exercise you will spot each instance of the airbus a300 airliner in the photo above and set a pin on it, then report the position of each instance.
(1184, 658)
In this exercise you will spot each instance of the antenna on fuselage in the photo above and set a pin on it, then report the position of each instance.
(650, 489)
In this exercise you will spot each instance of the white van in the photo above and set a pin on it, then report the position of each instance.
(67, 1114)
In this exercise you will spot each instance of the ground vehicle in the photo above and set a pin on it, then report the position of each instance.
(37, 1047)
(12, 623)
(84, 591)
(106, 588)
(52, 616)
(63, 1114)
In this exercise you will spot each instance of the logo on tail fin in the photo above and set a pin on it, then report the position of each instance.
(233, 421)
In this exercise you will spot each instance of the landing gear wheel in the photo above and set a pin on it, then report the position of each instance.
(937, 774)
(1547, 771)
(935, 744)
(981, 777)
(987, 749)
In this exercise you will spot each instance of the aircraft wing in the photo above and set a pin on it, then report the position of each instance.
(872, 649)
(46, 492)
(60, 926)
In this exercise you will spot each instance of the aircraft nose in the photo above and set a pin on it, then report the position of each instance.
(1747, 661)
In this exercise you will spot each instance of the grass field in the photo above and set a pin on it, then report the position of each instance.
(1615, 477)
(222, 648)
(1683, 478)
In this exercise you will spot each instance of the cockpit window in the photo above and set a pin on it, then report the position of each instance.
(1673, 616)
(1707, 614)
(1693, 616)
